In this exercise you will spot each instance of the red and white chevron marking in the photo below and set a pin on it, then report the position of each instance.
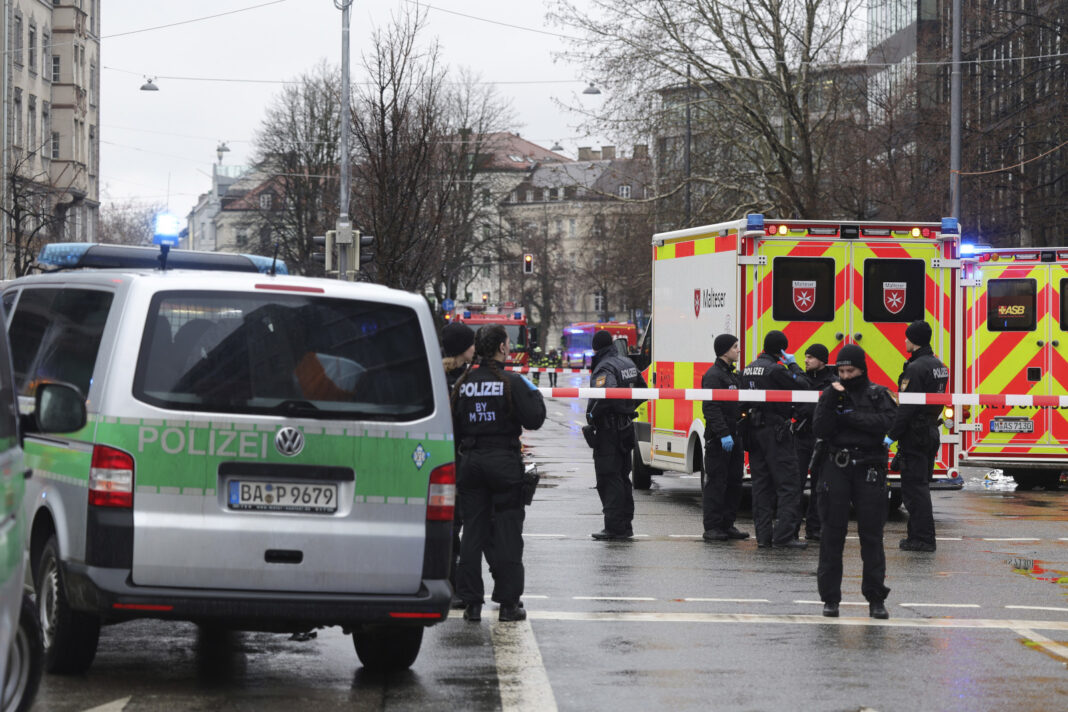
(717, 394)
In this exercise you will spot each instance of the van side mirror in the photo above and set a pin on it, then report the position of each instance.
(58, 408)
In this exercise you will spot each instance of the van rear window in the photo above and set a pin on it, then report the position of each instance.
(1010, 304)
(280, 354)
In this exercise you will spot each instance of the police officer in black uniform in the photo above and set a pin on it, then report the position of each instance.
(916, 430)
(772, 459)
(614, 438)
(820, 374)
(724, 452)
(852, 419)
(490, 408)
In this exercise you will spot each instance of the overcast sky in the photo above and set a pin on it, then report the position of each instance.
(158, 147)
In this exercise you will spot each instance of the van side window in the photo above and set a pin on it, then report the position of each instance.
(894, 290)
(55, 336)
(802, 289)
(1010, 305)
(9, 303)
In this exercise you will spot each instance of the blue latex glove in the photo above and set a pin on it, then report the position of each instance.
(887, 441)
(727, 442)
(788, 358)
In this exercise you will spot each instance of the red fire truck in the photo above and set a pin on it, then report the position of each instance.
(578, 339)
(512, 317)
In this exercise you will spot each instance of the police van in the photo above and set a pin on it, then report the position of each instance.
(261, 452)
(818, 281)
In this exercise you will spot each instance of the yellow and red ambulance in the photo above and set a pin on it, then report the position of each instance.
(1016, 342)
(818, 281)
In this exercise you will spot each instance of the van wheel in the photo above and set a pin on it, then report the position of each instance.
(388, 647)
(641, 476)
(68, 637)
(24, 661)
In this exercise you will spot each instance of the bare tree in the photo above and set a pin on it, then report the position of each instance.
(753, 66)
(34, 211)
(128, 222)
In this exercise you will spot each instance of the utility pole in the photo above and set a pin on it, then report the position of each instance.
(344, 224)
(954, 118)
(686, 147)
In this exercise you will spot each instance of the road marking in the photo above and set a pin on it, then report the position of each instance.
(1063, 538)
(941, 605)
(546, 536)
(1039, 608)
(1053, 648)
(521, 675)
(115, 706)
(725, 600)
(685, 536)
(1010, 538)
(950, 623)
(612, 598)
(949, 538)
(533, 595)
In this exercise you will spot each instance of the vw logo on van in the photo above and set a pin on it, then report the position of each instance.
(289, 441)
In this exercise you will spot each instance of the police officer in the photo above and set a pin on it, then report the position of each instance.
(458, 351)
(852, 418)
(724, 458)
(820, 375)
(490, 408)
(772, 460)
(916, 430)
(614, 438)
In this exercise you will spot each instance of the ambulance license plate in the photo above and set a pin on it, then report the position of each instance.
(282, 496)
(1012, 425)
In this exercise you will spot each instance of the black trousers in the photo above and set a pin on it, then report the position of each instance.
(552, 378)
(722, 491)
(776, 489)
(491, 496)
(611, 464)
(457, 527)
(916, 469)
(804, 443)
(840, 487)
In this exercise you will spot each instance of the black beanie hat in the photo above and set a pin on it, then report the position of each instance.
(818, 351)
(775, 342)
(852, 355)
(723, 343)
(601, 339)
(456, 338)
(919, 333)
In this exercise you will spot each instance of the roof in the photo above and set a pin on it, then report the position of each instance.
(507, 151)
(601, 178)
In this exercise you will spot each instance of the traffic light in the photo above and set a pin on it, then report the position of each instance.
(327, 255)
(365, 249)
(528, 263)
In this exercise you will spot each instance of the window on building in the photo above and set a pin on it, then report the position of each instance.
(486, 197)
(529, 196)
(624, 191)
(46, 128)
(31, 47)
(55, 144)
(648, 193)
(46, 51)
(598, 301)
(554, 193)
(31, 124)
(569, 193)
(265, 201)
(18, 117)
(92, 84)
(241, 237)
(571, 227)
(55, 67)
(16, 51)
(94, 158)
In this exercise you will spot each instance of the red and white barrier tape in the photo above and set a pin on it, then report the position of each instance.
(717, 394)
(538, 369)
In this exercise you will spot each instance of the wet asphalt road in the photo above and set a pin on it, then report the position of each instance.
(665, 622)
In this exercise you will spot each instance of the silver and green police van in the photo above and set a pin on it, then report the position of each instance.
(261, 452)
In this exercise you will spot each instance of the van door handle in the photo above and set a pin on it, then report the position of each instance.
(857, 336)
(1055, 342)
(839, 335)
(1040, 342)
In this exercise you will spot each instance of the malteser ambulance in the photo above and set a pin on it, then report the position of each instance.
(1016, 341)
(818, 281)
(262, 452)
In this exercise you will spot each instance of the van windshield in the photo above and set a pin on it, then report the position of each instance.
(295, 355)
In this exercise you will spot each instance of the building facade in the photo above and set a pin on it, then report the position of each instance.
(51, 116)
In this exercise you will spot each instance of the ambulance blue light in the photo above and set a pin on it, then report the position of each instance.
(467, 315)
(950, 226)
(167, 229)
(263, 264)
(63, 254)
(517, 315)
(967, 249)
(754, 221)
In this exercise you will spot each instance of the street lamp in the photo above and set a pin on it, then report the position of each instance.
(148, 85)
(591, 89)
(221, 149)
(344, 226)
(557, 147)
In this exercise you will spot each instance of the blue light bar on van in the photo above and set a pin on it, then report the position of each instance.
(967, 249)
(167, 229)
(754, 221)
(63, 254)
(263, 264)
(517, 315)
(467, 315)
(950, 226)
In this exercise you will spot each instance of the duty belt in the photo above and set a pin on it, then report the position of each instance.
(844, 457)
(487, 442)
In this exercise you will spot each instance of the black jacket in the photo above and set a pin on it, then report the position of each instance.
(916, 426)
(805, 412)
(721, 417)
(610, 370)
(856, 418)
(496, 404)
(767, 374)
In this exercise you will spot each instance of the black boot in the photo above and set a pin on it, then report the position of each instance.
(876, 609)
(830, 610)
(473, 612)
(511, 613)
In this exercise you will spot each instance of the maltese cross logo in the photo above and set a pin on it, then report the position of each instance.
(804, 295)
(894, 296)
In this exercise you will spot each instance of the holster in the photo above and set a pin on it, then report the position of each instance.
(530, 485)
(590, 434)
(819, 451)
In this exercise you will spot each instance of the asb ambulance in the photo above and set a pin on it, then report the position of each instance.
(818, 281)
(261, 452)
(1016, 341)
